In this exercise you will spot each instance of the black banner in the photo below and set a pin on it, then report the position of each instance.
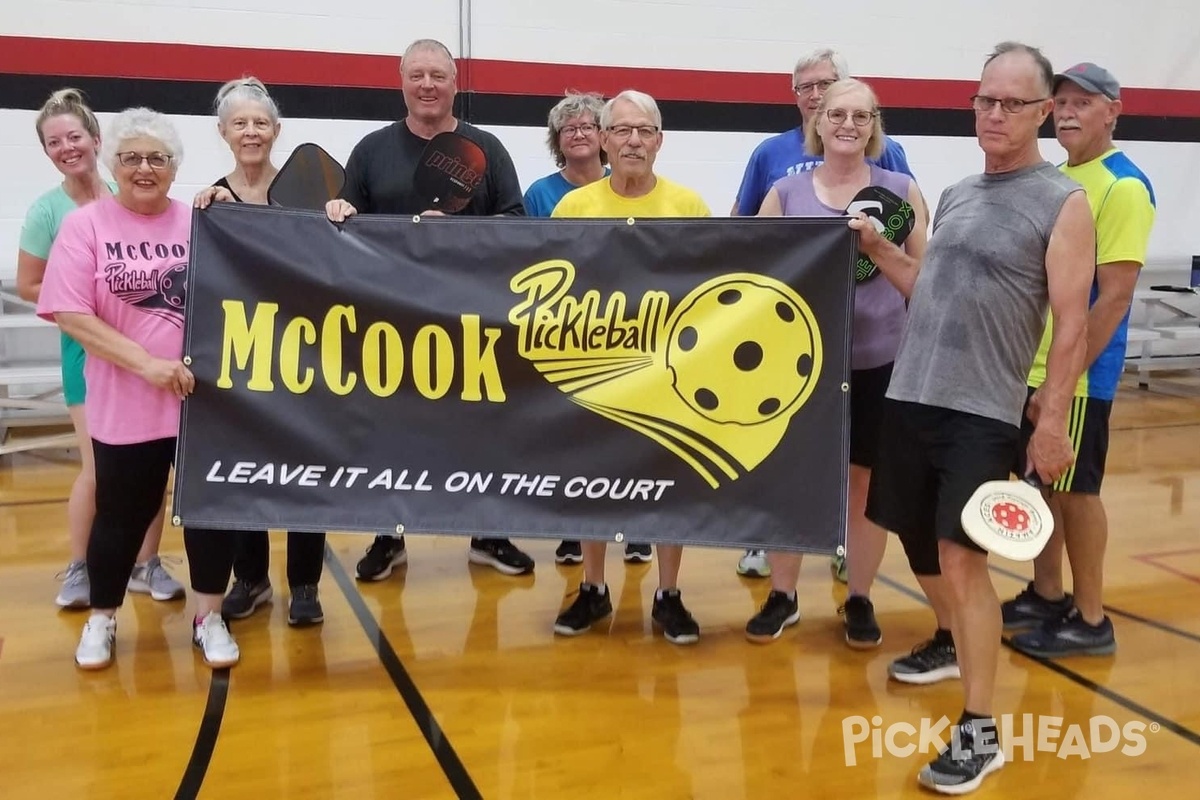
(657, 381)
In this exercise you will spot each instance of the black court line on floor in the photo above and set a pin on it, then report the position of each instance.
(435, 737)
(1087, 683)
(1153, 623)
(206, 737)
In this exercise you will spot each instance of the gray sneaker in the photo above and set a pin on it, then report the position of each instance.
(153, 579)
(76, 591)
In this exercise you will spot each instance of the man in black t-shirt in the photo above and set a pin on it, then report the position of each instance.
(379, 180)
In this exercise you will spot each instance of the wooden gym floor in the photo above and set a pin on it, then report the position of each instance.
(445, 680)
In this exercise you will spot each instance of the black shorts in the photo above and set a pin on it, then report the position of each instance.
(930, 461)
(1087, 425)
(868, 388)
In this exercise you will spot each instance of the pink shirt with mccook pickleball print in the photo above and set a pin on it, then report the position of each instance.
(129, 270)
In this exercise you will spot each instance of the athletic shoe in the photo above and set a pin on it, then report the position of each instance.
(568, 552)
(384, 553)
(95, 650)
(245, 598)
(501, 555)
(778, 612)
(305, 606)
(962, 765)
(638, 553)
(153, 579)
(837, 566)
(1030, 609)
(858, 617)
(76, 591)
(929, 662)
(214, 640)
(753, 564)
(676, 622)
(1070, 635)
(592, 604)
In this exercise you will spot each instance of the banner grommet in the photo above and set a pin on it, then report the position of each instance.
(187, 361)
(619, 537)
(399, 530)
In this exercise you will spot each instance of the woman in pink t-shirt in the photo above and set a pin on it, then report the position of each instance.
(115, 282)
(70, 137)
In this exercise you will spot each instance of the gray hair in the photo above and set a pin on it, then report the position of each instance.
(644, 102)
(430, 44)
(244, 90)
(575, 104)
(1043, 64)
(825, 54)
(133, 123)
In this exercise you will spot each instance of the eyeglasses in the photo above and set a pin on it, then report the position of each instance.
(861, 119)
(625, 131)
(806, 88)
(587, 129)
(1011, 105)
(155, 160)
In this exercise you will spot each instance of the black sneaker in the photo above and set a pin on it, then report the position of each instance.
(776, 613)
(929, 662)
(676, 622)
(384, 553)
(305, 606)
(1030, 609)
(590, 607)
(244, 598)
(568, 552)
(501, 555)
(1069, 635)
(858, 617)
(962, 765)
(638, 553)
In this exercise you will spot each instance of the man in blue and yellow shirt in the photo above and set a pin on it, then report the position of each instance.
(1086, 107)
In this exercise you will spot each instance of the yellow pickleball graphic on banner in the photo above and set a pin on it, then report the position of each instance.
(715, 380)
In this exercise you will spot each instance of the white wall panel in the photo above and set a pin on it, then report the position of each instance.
(710, 163)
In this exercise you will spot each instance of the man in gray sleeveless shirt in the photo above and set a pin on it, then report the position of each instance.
(1006, 245)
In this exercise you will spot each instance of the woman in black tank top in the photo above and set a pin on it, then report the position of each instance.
(248, 121)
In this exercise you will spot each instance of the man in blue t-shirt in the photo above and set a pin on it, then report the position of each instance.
(784, 155)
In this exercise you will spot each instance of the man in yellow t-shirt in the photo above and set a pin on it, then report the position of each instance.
(1086, 107)
(631, 134)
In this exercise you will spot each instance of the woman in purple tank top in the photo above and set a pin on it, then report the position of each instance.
(847, 130)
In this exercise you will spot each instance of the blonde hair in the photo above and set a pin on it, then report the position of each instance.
(247, 89)
(812, 142)
(67, 101)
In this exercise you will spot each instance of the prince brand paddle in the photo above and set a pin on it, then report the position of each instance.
(450, 170)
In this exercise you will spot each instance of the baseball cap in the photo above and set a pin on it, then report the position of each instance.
(1090, 78)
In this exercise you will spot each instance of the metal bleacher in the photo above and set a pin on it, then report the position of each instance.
(30, 378)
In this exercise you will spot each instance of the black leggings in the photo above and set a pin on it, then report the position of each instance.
(305, 552)
(130, 481)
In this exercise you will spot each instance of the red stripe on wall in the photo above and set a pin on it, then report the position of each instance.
(161, 61)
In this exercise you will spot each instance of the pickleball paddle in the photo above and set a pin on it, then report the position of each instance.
(1009, 518)
(891, 215)
(308, 179)
(450, 170)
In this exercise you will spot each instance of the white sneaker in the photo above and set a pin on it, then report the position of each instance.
(753, 564)
(95, 650)
(215, 641)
